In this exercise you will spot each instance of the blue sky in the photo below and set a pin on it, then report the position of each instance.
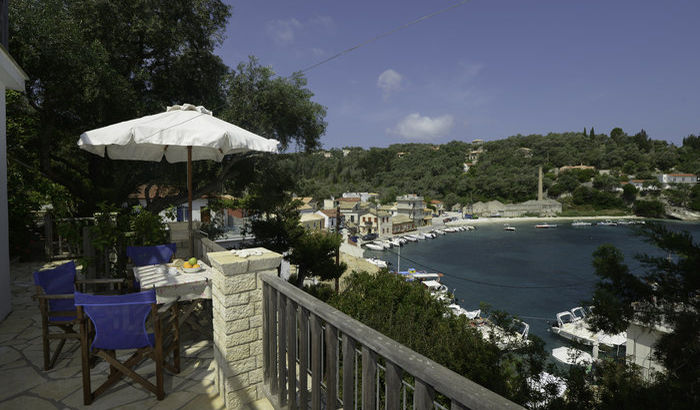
(487, 69)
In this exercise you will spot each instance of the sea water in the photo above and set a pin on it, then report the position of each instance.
(530, 273)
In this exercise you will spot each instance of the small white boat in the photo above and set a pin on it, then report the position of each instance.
(383, 244)
(571, 356)
(509, 228)
(378, 262)
(504, 340)
(439, 231)
(395, 242)
(575, 327)
(450, 229)
(374, 246)
(545, 226)
(470, 228)
(607, 223)
(580, 223)
(411, 238)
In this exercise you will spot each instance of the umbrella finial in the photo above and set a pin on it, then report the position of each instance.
(189, 107)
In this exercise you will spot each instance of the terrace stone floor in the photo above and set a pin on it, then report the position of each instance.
(24, 383)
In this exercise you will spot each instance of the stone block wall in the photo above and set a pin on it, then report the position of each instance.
(238, 331)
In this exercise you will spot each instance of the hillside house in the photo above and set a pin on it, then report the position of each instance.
(402, 223)
(668, 179)
(412, 206)
(312, 221)
(330, 219)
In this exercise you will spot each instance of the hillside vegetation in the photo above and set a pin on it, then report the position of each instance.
(503, 171)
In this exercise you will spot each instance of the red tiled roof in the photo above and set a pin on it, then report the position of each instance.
(332, 213)
(681, 175)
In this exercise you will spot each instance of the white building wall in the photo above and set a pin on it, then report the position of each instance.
(11, 77)
(640, 348)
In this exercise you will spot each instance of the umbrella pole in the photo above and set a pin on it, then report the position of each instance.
(189, 199)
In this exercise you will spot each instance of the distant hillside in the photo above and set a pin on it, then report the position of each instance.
(504, 169)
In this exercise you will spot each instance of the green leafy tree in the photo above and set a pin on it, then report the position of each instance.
(648, 209)
(314, 253)
(95, 63)
(629, 193)
(407, 313)
(695, 198)
(666, 294)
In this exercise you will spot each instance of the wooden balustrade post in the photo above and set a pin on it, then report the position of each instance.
(331, 366)
(369, 370)
(348, 372)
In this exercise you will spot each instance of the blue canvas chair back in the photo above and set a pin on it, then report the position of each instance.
(120, 320)
(58, 281)
(150, 255)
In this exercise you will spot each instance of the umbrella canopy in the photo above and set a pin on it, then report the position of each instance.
(169, 134)
(181, 133)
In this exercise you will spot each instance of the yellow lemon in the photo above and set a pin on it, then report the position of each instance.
(187, 265)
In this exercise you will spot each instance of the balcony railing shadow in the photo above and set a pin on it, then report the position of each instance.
(315, 356)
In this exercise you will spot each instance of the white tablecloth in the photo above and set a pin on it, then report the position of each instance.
(174, 284)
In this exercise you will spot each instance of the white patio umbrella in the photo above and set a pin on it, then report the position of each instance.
(181, 133)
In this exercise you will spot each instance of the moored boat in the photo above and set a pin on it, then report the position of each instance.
(572, 356)
(580, 223)
(545, 226)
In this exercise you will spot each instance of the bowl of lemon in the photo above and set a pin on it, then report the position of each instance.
(191, 266)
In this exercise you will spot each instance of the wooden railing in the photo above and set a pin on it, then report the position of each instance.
(306, 340)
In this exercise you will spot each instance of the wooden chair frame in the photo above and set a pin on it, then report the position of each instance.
(117, 369)
(67, 327)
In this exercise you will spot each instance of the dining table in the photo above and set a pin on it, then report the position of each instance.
(173, 285)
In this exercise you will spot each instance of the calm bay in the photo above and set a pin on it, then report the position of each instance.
(530, 273)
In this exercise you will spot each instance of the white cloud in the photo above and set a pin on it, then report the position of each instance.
(415, 126)
(389, 81)
(282, 31)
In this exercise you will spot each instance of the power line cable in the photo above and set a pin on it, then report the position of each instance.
(382, 35)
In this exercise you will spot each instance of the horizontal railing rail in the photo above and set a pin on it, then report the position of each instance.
(293, 325)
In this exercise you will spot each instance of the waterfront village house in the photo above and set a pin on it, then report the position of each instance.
(545, 207)
(363, 196)
(412, 206)
(368, 223)
(491, 208)
(330, 218)
(640, 346)
(11, 77)
(439, 207)
(349, 209)
(330, 203)
(642, 184)
(308, 205)
(312, 222)
(402, 223)
(376, 221)
(427, 217)
(668, 179)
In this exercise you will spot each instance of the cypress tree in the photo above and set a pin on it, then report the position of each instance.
(592, 133)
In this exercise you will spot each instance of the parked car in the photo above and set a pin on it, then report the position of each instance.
(370, 237)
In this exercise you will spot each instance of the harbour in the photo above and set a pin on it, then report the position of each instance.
(531, 273)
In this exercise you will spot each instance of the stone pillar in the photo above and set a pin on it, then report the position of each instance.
(238, 332)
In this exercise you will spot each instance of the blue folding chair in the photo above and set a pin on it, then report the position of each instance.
(55, 292)
(55, 289)
(150, 255)
(119, 323)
